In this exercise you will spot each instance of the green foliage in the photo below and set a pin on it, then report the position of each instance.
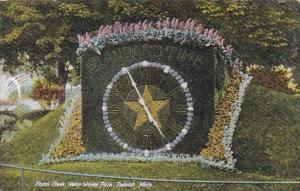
(46, 32)
(9, 134)
(10, 177)
(267, 134)
(76, 10)
(35, 115)
(132, 11)
(7, 122)
(259, 144)
(259, 30)
(29, 144)
(262, 32)
(74, 78)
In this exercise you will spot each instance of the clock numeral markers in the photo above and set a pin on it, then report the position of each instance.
(174, 91)
(162, 79)
(180, 108)
(128, 83)
(183, 85)
(117, 106)
(128, 137)
(156, 135)
(115, 121)
(120, 128)
(147, 75)
(116, 93)
(115, 111)
(174, 126)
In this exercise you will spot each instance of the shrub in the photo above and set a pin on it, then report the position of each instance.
(279, 78)
(48, 93)
(6, 122)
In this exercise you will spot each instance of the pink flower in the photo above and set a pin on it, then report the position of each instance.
(173, 23)
(166, 23)
(131, 27)
(125, 27)
(228, 50)
(138, 26)
(219, 41)
(158, 24)
(151, 24)
(192, 25)
(87, 39)
(187, 24)
(181, 25)
(210, 33)
(145, 25)
(205, 32)
(117, 28)
(80, 39)
(100, 30)
(199, 28)
(237, 64)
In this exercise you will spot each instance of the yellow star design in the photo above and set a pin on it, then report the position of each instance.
(154, 108)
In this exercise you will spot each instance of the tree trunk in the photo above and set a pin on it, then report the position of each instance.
(63, 76)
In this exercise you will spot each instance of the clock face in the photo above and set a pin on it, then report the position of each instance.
(147, 108)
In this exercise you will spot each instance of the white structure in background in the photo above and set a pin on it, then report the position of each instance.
(10, 85)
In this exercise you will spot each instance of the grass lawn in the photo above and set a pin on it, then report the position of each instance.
(149, 170)
(29, 145)
(268, 133)
(266, 144)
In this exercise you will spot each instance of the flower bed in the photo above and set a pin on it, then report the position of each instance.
(69, 142)
(278, 77)
(218, 152)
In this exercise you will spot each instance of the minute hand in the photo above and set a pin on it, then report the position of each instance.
(142, 102)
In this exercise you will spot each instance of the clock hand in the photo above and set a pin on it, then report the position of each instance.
(151, 118)
(142, 102)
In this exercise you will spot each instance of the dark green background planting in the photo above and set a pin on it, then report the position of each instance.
(197, 65)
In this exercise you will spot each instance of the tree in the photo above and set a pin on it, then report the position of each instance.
(132, 11)
(263, 32)
(42, 34)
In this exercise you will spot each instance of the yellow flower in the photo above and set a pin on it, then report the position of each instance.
(291, 85)
(289, 75)
(252, 67)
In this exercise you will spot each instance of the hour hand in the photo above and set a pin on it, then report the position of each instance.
(142, 102)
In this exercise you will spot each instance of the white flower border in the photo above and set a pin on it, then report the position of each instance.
(159, 157)
(228, 163)
(234, 115)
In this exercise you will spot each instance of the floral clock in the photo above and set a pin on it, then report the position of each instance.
(147, 108)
